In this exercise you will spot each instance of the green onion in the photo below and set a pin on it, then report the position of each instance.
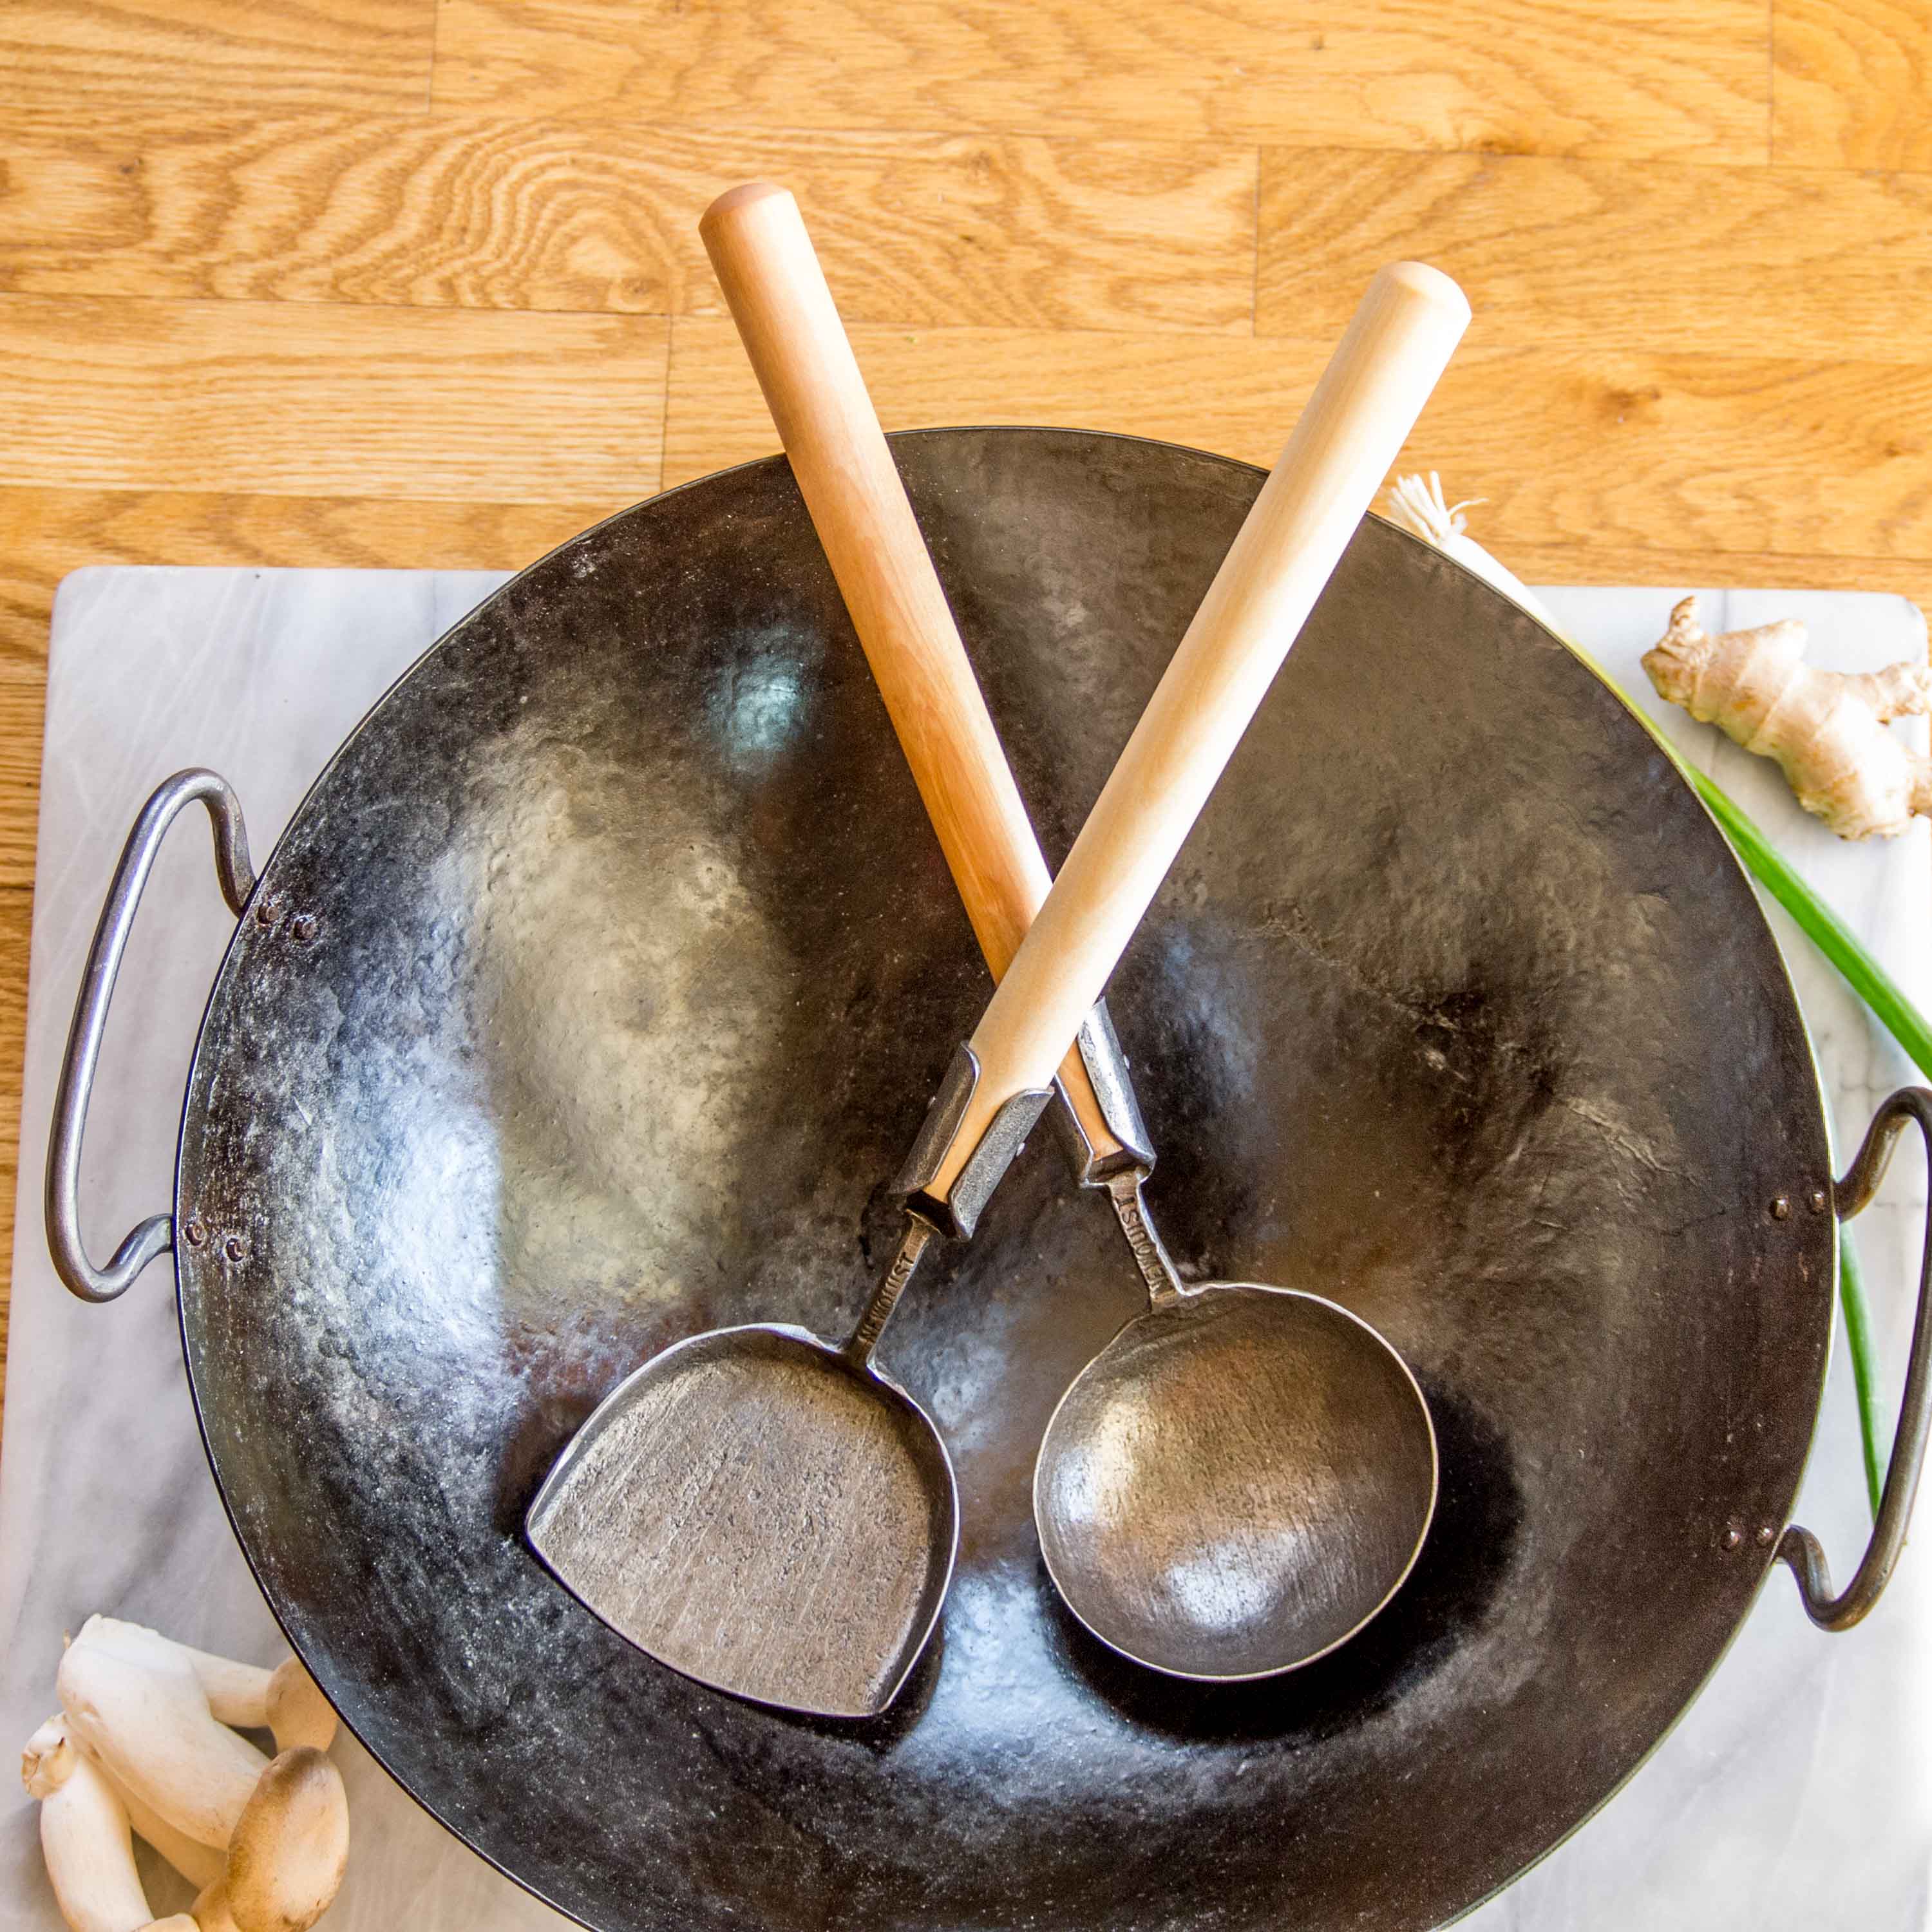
(1858, 1334)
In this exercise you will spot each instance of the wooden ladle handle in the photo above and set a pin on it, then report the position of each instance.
(797, 346)
(1360, 414)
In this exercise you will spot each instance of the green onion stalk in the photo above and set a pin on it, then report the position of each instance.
(1420, 509)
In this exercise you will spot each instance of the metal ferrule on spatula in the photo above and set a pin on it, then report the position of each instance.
(947, 1208)
(1131, 1153)
(954, 1211)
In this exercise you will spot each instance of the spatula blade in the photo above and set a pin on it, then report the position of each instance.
(757, 1512)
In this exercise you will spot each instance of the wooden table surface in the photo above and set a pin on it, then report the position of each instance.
(418, 282)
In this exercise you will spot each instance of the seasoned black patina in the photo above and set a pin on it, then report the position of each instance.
(617, 964)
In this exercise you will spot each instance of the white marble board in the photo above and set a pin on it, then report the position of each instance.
(1797, 1792)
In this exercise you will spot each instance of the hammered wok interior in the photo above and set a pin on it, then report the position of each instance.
(633, 963)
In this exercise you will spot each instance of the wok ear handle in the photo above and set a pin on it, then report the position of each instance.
(797, 346)
(1799, 1547)
(155, 1235)
(1354, 427)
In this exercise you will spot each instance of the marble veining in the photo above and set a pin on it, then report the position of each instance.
(1798, 1789)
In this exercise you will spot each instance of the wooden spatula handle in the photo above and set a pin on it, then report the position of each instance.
(798, 348)
(1360, 414)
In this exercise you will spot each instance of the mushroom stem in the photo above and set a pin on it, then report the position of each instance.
(296, 1711)
(84, 1836)
(237, 1694)
(200, 1865)
(210, 1912)
(140, 1709)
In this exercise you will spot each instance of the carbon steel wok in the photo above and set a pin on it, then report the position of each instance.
(606, 966)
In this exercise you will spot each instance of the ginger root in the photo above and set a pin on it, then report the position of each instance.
(1824, 728)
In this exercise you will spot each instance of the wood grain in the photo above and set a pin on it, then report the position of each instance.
(1551, 76)
(1779, 261)
(310, 53)
(1731, 453)
(1595, 561)
(494, 213)
(1852, 83)
(301, 399)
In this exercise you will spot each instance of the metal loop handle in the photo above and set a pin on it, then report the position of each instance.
(1799, 1547)
(155, 1235)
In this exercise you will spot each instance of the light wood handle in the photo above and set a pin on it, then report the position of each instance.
(776, 292)
(1355, 425)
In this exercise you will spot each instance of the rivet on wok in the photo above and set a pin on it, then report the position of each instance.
(196, 1233)
(302, 926)
(1817, 1200)
(269, 912)
(232, 1248)
(1765, 1532)
(1780, 1208)
(1733, 1537)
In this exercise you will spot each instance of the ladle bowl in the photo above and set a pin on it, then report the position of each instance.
(1237, 1483)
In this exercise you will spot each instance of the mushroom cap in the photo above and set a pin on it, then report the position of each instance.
(297, 1712)
(286, 1860)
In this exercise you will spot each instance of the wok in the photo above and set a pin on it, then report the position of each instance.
(609, 960)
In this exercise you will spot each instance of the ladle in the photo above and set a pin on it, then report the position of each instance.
(762, 1509)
